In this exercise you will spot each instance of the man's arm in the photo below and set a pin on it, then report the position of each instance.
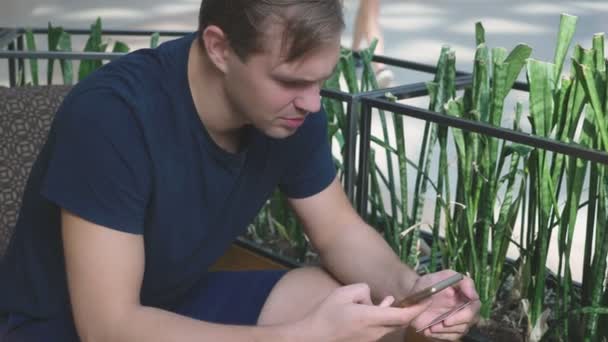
(350, 249)
(105, 270)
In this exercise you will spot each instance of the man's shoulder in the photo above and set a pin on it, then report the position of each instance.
(141, 73)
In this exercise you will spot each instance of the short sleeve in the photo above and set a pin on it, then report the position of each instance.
(99, 167)
(310, 167)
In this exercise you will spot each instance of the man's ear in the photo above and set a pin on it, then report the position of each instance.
(217, 46)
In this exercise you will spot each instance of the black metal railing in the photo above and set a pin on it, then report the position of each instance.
(380, 102)
(359, 106)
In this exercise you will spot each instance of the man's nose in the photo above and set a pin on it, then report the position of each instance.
(309, 99)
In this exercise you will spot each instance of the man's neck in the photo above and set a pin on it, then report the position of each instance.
(220, 120)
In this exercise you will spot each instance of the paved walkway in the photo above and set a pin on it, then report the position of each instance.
(413, 29)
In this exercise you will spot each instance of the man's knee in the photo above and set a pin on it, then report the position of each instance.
(296, 294)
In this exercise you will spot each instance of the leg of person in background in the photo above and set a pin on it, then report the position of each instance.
(367, 28)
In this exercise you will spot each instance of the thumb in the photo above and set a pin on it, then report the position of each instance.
(467, 288)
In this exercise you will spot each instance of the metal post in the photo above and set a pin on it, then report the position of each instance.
(12, 77)
(364, 146)
(350, 148)
(20, 61)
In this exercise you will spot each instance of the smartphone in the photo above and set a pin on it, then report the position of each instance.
(429, 291)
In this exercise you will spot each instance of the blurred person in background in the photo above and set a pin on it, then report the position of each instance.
(366, 29)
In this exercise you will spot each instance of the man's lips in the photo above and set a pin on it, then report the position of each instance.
(293, 122)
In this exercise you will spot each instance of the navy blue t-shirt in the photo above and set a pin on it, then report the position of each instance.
(127, 150)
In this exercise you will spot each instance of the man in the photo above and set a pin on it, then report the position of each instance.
(157, 161)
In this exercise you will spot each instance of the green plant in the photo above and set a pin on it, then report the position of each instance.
(59, 40)
(499, 184)
(558, 106)
(485, 165)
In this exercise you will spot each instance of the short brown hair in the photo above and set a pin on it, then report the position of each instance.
(307, 23)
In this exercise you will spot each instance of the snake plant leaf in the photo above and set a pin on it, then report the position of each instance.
(54, 33)
(562, 112)
(522, 150)
(93, 44)
(598, 47)
(516, 61)
(600, 66)
(450, 75)
(481, 82)
(433, 90)
(346, 66)
(67, 69)
(120, 47)
(577, 97)
(154, 38)
(368, 79)
(499, 55)
(383, 144)
(541, 79)
(480, 34)
(441, 92)
(586, 76)
(30, 43)
(606, 95)
(455, 108)
(441, 63)
(567, 26)
(518, 111)
(499, 92)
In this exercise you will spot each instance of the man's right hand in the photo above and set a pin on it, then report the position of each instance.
(348, 314)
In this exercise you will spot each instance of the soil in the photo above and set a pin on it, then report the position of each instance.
(508, 322)
(495, 331)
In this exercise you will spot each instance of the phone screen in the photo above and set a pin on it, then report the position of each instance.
(429, 291)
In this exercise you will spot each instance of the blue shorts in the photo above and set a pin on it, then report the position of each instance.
(222, 297)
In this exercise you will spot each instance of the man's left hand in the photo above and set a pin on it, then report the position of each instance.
(458, 323)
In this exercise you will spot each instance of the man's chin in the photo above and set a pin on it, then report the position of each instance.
(280, 133)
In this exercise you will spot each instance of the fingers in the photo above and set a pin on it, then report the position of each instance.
(386, 302)
(442, 337)
(389, 316)
(440, 332)
(455, 329)
(468, 315)
(444, 333)
(467, 288)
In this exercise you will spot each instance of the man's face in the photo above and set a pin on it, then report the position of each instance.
(276, 96)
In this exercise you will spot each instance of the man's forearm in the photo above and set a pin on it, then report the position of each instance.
(360, 254)
(152, 324)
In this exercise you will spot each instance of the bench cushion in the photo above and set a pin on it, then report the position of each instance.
(25, 117)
